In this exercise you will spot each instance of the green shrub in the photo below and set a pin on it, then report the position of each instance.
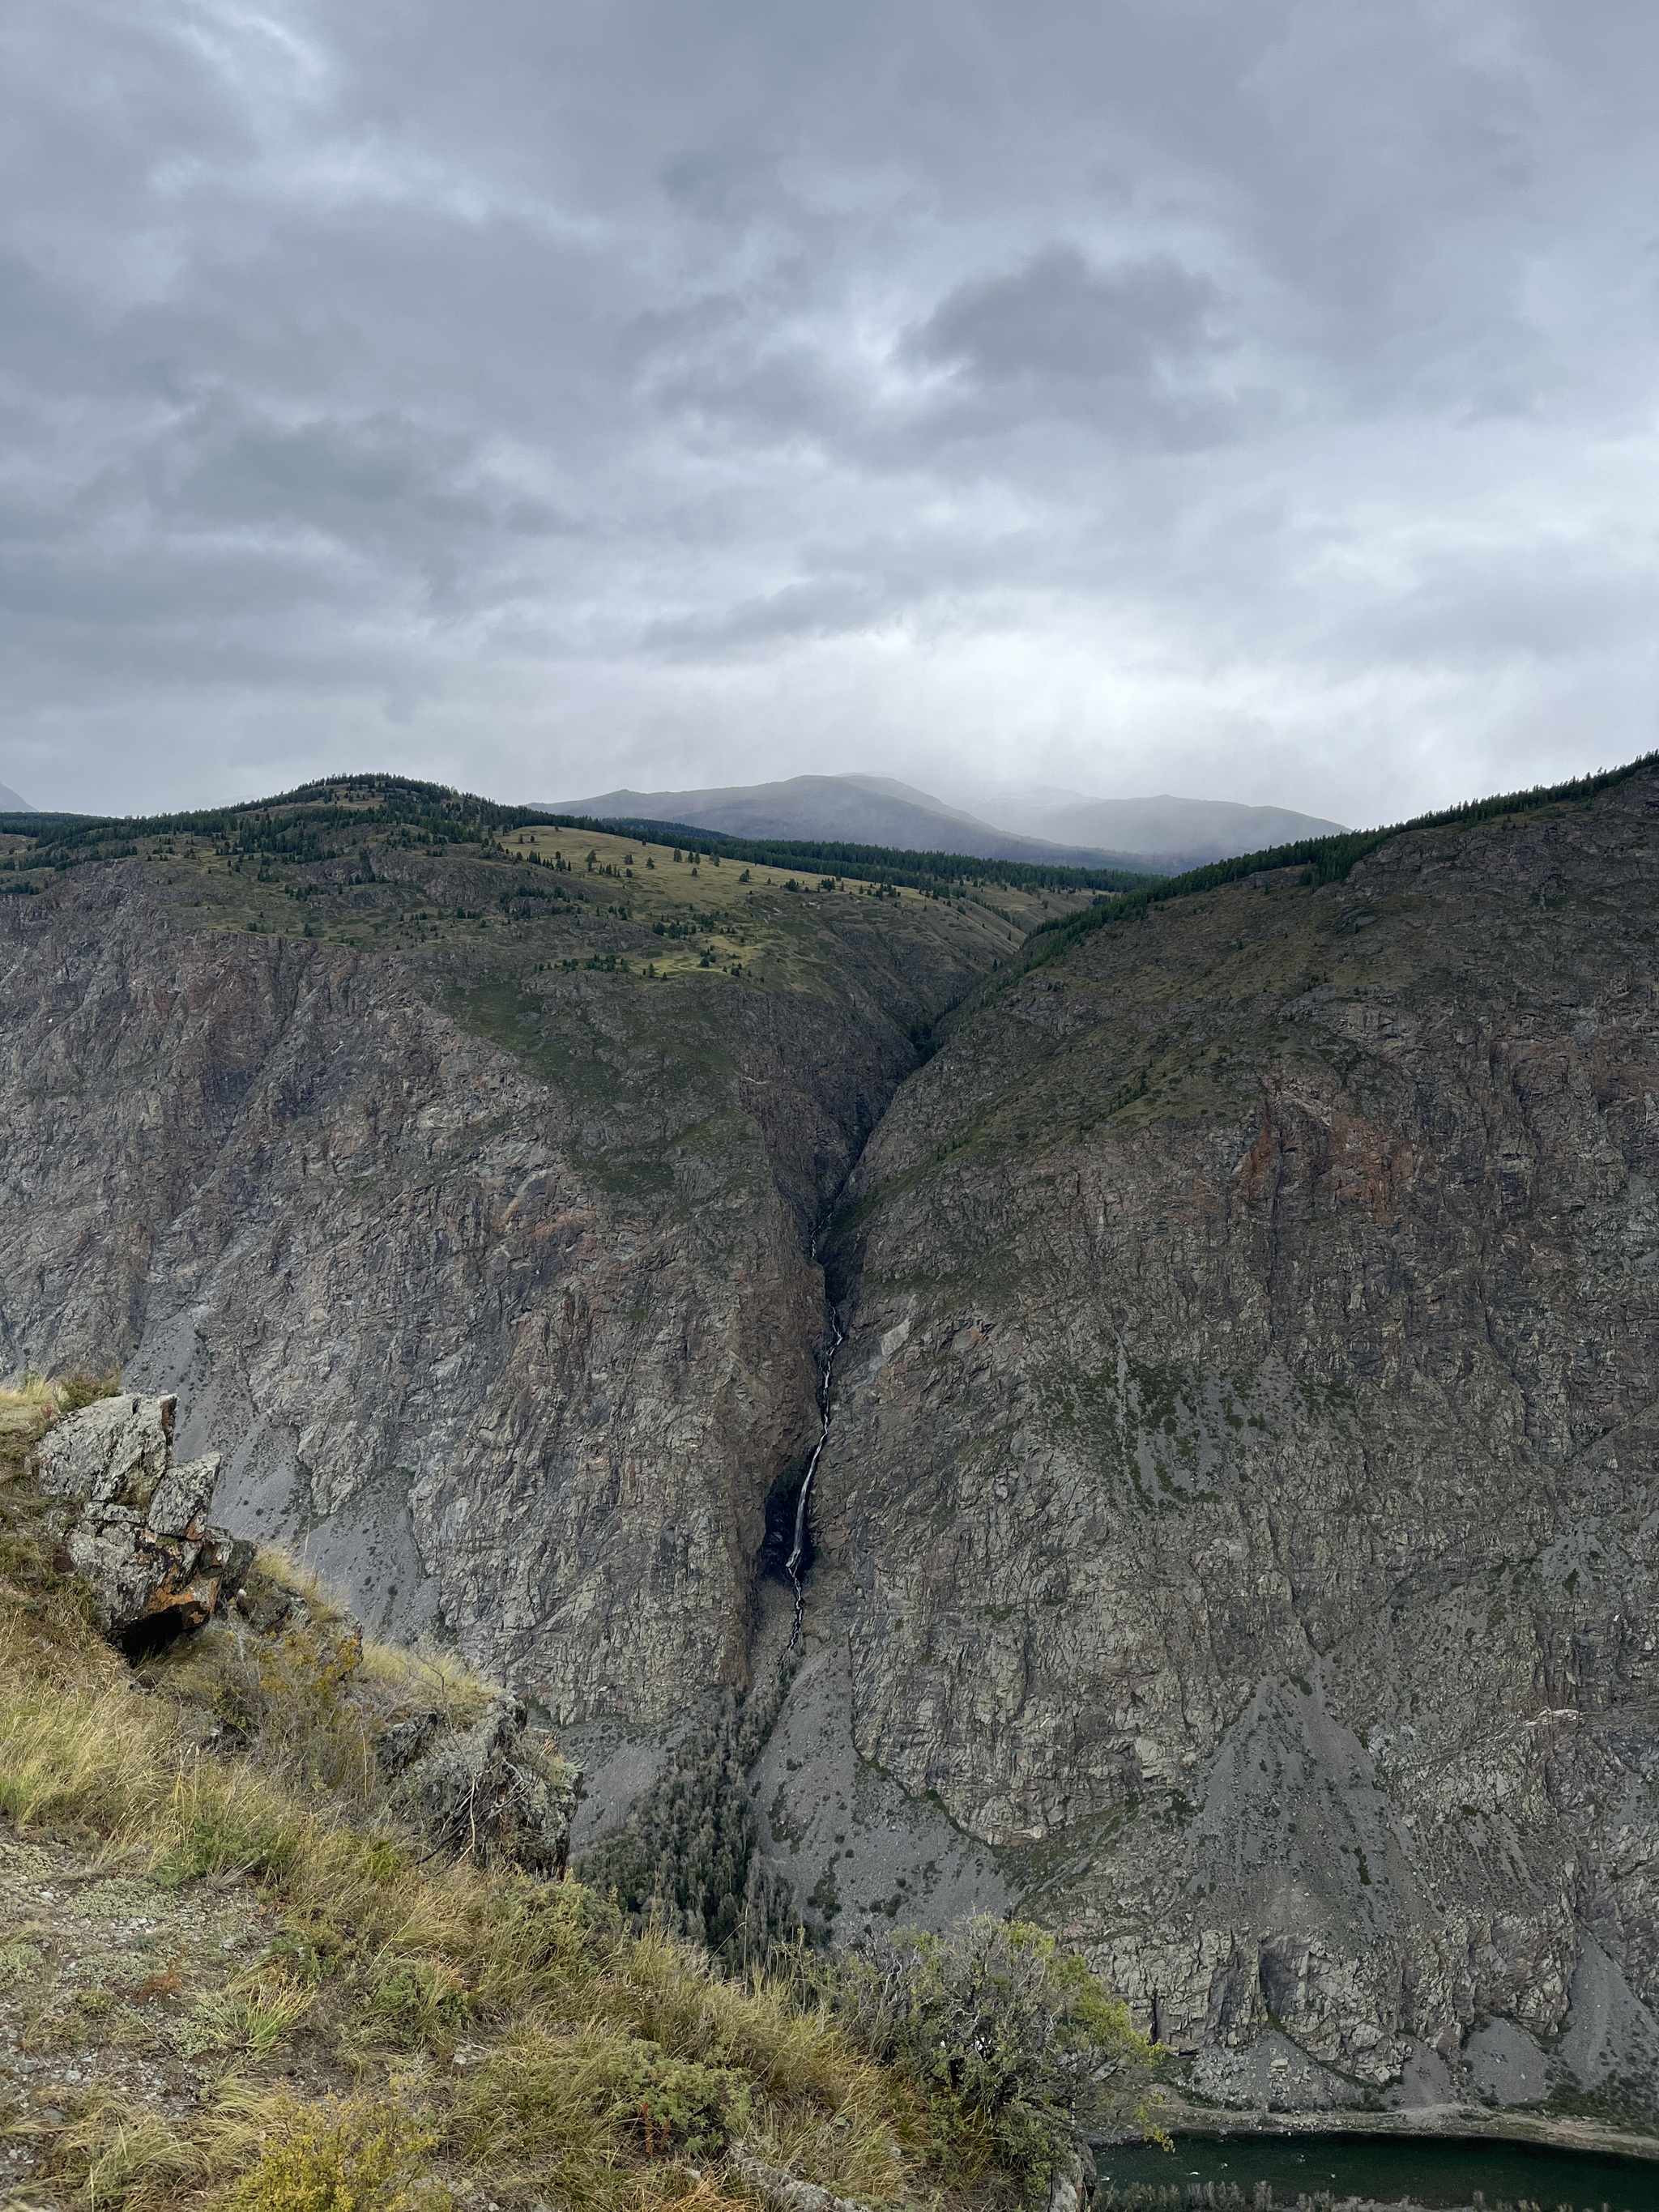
(256, 2020)
(359, 2155)
(80, 1388)
(289, 1703)
(224, 1821)
(1010, 2037)
(570, 2105)
(675, 2104)
(411, 2003)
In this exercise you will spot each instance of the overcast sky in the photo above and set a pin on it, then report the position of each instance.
(1241, 397)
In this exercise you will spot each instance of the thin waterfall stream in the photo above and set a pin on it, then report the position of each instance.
(792, 1565)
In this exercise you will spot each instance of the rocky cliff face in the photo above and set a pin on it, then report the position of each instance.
(1241, 1508)
(1237, 1540)
(516, 1335)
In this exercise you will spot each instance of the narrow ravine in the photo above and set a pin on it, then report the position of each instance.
(826, 1376)
(826, 1379)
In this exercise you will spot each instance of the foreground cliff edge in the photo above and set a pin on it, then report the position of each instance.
(286, 1924)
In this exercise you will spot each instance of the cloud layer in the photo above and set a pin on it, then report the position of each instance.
(1253, 397)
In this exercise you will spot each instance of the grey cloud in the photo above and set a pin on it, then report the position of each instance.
(247, 518)
(1257, 386)
(1059, 318)
(821, 607)
(1126, 350)
(381, 481)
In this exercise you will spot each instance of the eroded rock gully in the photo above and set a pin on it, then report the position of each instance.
(1240, 1514)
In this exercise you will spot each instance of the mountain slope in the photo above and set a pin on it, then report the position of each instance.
(466, 1198)
(1239, 1511)
(1176, 833)
(867, 809)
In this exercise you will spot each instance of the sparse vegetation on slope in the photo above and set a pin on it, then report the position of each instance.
(1320, 860)
(244, 1981)
(688, 1856)
(280, 859)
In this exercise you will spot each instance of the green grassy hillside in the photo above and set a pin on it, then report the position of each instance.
(382, 864)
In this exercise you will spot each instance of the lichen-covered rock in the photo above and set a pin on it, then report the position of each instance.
(489, 1793)
(782, 2191)
(133, 1521)
(402, 1741)
(113, 1452)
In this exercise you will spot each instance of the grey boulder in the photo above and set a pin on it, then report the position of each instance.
(135, 1526)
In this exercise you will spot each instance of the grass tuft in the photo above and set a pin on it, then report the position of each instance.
(407, 2033)
(361, 2153)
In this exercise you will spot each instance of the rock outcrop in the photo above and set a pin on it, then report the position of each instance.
(134, 1525)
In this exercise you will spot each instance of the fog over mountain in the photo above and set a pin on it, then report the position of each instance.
(1166, 828)
(1014, 823)
(857, 809)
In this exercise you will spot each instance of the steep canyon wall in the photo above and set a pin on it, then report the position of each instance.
(514, 1337)
(1241, 1509)
(1237, 1538)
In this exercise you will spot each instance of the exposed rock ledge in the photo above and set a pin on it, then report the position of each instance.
(133, 1525)
(136, 1529)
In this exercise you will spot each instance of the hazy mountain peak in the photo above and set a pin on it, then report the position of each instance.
(12, 802)
(1169, 827)
(853, 808)
(1015, 821)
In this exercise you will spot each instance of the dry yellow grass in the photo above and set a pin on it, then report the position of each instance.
(405, 2034)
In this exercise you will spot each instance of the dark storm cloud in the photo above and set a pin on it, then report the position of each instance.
(1250, 394)
(1057, 318)
(1124, 348)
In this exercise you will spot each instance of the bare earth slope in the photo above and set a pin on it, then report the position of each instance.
(482, 1253)
(1241, 1510)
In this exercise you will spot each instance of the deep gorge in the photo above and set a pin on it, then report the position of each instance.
(1235, 1541)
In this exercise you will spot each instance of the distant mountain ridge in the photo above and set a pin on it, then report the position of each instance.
(855, 809)
(1178, 832)
(12, 803)
(1018, 822)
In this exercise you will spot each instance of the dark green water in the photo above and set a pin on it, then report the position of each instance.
(1427, 2170)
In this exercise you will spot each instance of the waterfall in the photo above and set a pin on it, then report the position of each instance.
(791, 1565)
